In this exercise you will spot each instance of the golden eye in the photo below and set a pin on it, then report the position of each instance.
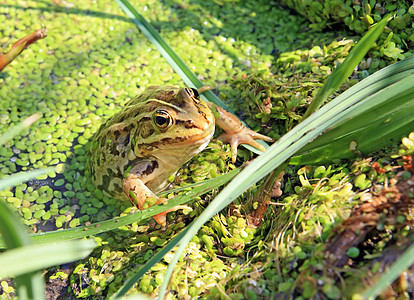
(193, 93)
(162, 119)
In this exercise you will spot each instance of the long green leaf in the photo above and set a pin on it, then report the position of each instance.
(341, 73)
(390, 275)
(104, 226)
(388, 117)
(30, 285)
(11, 229)
(189, 78)
(13, 131)
(18, 178)
(20, 260)
(145, 268)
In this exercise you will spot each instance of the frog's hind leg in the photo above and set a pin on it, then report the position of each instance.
(138, 193)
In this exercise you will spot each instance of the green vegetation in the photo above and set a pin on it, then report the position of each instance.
(94, 59)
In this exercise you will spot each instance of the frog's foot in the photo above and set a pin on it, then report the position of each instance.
(161, 218)
(243, 136)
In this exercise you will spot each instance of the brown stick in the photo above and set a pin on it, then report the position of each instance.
(20, 45)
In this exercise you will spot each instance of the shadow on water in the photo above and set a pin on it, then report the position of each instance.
(56, 8)
(268, 26)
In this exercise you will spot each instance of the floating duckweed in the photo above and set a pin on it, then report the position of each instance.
(69, 194)
(353, 252)
(59, 182)
(91, 210)
(27, 214)
(59, 221)
(6, 288)
(98, 194)
(39, 213)
(361, 181)
(158, 241)
(97, 203)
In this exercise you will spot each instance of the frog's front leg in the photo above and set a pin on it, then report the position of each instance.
(235, 132)
(138, 193)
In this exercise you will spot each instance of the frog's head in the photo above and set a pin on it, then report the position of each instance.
(173, 118)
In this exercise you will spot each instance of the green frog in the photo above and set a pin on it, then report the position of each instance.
(135, 151)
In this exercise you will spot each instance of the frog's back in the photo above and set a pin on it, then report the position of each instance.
(152, 131)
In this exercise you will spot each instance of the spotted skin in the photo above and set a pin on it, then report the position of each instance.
(137, 149)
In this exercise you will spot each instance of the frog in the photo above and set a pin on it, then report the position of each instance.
(134, 152)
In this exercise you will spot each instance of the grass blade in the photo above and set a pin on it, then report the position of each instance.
(11, 229)
(31, 285)
(20, 260)
(189, 78)
(388, 117)
(18, 178)
(389, 276)
(100, 227)
(340, 74)
(13, 131)
(145, 268)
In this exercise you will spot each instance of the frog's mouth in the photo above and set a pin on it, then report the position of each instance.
(186, 142)
(202, 141)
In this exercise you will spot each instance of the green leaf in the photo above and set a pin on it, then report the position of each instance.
(13, 131)
(30, 285)
(341, 73)
(189, 78)
(382, 116)
(18, 178)
(405, 261)
(100, 227)
(145, 268)
(31, 258)
(11, 228)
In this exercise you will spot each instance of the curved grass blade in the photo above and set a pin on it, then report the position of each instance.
(389, 276)
(30, 285)
(340, 74)
(18, 178)
(388, 117)
(13, 131)
(11, 228)
(104, 226)
(20, 260)
(189, 78)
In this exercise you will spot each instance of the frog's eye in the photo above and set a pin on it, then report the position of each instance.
(162, 119)
(193, 93)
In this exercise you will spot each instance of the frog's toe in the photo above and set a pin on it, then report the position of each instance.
(244, 136)
(161, 218)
